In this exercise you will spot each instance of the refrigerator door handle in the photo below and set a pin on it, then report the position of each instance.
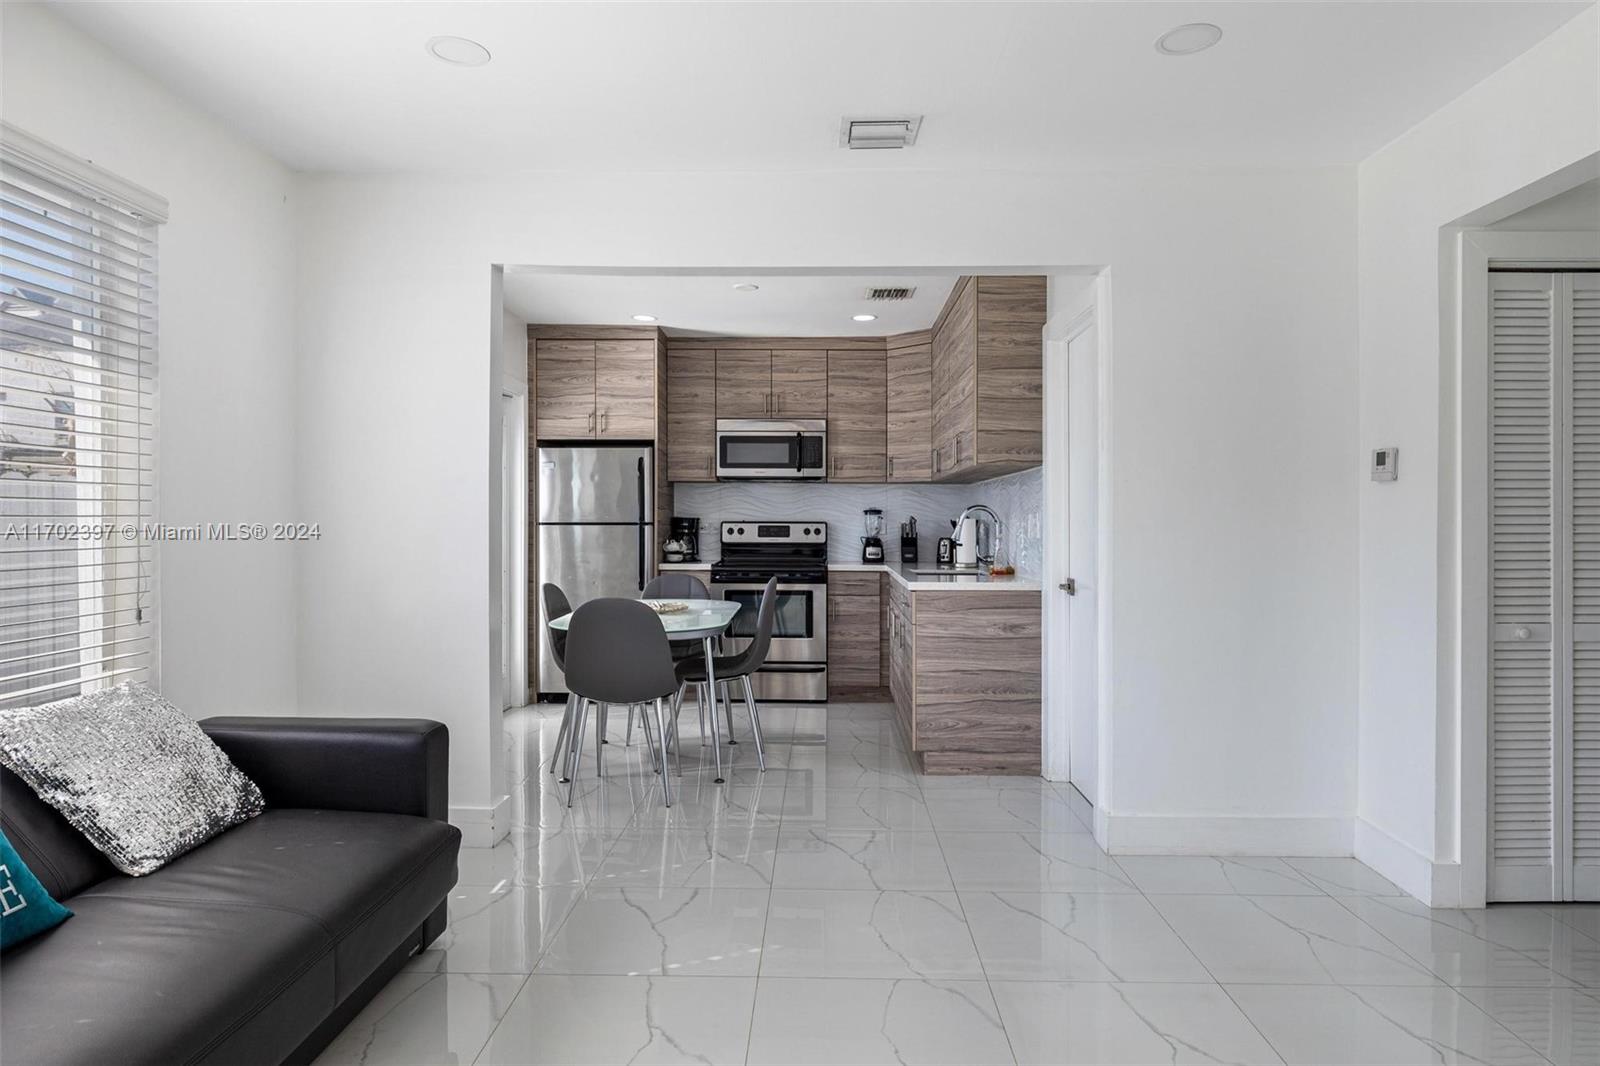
(641, 524)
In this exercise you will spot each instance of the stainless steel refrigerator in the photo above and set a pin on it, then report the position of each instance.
(596, 535)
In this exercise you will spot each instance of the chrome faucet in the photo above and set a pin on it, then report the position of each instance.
(994, 539)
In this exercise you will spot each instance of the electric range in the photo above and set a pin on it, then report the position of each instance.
(796, 553)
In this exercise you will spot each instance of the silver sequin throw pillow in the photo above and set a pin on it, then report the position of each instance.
(130, 771)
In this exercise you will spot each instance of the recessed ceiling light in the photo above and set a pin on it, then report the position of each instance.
(1188, 39)
(745, 286)
(458, 51)
(644, 318)
(865, 318)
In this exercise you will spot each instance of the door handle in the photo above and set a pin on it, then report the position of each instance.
(1069, 586)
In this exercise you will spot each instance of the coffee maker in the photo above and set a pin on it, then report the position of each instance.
(872, 543)
(683, 545)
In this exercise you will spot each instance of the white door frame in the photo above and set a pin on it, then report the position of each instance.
(1087, 309)
(1476, 249)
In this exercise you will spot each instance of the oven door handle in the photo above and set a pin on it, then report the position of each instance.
(792, 668)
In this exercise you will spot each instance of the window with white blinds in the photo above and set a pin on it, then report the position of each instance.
(77, 424)
(1544, 544)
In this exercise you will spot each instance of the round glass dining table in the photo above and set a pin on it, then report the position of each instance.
(703, 621)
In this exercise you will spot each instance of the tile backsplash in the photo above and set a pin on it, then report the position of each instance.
(1017, 498)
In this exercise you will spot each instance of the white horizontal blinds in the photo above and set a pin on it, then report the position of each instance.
(77, 433)
(1524, 674)
(1581, 294)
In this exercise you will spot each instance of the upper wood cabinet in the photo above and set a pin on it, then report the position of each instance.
(602, 389)
(800, 383)
(565, 389)
(988, 379)
(691, 414)
(910, 402)
(857, 415)
(744, 383)
(625, 389)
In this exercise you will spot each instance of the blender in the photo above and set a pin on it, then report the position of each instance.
(872, 542)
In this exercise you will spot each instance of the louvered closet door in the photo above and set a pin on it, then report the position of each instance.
(1545, 587)
(1578, 310)
(1524, 672)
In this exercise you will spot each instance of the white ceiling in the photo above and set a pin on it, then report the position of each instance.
(784, 306)
(762, 86)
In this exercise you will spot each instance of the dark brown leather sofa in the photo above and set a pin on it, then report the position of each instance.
(259, 945)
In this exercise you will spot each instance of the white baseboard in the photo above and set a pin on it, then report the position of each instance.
(483, 827)
(1438, 884)
(1161, 834)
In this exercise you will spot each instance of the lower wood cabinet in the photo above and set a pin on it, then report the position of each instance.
(854, 634)
(965, 676)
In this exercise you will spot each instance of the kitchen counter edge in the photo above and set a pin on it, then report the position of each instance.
(901, 572)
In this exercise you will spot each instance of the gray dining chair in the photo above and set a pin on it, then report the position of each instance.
(676, 585)
(617, 652)
(737, 667)
(556, 604)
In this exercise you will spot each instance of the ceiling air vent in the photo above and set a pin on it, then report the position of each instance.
(879, 132)
(894, 293)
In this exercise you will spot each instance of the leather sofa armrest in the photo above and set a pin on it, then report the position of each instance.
(386, 765)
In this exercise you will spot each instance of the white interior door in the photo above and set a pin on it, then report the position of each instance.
(1544, 589)
(1083, 488)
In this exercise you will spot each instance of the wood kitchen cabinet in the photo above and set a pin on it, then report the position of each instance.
(564, 409)
(965, 675)
(853, 634)
(625, 390)
(910, 407)
(987, 358)
(691, 414)
(595, 389)
(744, 383)
(800, 384)
(857, 415)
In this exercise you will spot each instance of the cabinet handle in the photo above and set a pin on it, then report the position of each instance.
(891, 466)
(605, 416)
(591, 421)
(777, 402)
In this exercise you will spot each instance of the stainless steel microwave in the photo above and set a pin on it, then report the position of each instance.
(770, 450)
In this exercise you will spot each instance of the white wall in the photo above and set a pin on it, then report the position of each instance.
(1234, 337)
(227, 446)
(1532, 118)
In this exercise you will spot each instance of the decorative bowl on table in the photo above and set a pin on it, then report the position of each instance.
(666, 606)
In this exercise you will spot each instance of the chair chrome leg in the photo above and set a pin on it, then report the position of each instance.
(627, 737)
(755, 722)
(602, 714)
(650, 741)
(727, 709)
(666, 778)
(561, 737)
(577, 748)
(700, 709)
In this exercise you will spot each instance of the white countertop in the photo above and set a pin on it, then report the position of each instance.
(901, 572)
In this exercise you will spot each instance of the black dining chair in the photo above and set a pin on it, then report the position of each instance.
(556, 604)
(736, 667)
(617, 652)
(676, 585)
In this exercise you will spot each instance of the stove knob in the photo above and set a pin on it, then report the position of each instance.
(741, 531)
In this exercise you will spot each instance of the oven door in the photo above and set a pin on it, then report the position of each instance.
(796, 669)
(799, 628)
(786, 451)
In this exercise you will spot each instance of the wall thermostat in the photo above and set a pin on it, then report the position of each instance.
(1385, 464)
